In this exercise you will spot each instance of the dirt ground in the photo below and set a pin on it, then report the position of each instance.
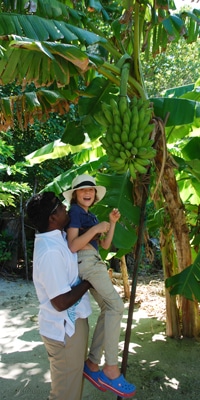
(160, 367)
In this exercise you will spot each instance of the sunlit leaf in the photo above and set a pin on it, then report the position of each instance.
(187, 282)
(192, 149)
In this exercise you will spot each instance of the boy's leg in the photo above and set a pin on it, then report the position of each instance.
(66, 363)
(107, 330)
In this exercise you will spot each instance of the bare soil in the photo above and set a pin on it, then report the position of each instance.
(161, 368)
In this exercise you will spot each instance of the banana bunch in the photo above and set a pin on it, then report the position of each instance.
(127, 139)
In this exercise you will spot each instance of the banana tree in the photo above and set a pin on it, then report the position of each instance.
(55, 56)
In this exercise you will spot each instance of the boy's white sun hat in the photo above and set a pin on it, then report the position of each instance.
(84, 181)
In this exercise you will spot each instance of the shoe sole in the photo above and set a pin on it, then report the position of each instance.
(121, 394)
(96, 384)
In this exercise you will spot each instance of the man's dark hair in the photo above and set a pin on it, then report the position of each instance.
(39, 208)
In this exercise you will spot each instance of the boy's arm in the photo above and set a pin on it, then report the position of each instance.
(106, 241)
(76, 242)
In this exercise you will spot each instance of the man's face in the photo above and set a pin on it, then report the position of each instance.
(60, 214)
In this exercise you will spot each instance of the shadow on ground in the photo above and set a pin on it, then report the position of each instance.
(160, 367)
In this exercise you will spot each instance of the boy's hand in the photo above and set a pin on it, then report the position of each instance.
(114, 215)
(103, 227)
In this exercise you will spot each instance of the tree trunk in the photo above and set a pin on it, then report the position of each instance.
(175, 209)
(169, 266)
(124, 272)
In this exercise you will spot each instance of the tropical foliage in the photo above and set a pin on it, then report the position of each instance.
(73, 61)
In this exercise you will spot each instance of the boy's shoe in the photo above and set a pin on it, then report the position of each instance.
(93, 377)
(119, 385)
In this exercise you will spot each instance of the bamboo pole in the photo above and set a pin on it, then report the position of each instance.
(144, 196)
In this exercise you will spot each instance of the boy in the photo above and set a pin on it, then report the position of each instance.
(84, 234)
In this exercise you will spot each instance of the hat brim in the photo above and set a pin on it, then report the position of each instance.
(101, 191)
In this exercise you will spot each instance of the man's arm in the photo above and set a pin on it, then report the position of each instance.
(66, 300)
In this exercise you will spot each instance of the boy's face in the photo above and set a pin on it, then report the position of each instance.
(85, 197)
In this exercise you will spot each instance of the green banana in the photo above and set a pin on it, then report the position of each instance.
(137, 142)
(104, 142)
(132, 170)
(111, 158)
(134, 118)
(122, 105)
(123, 155)
(132, 135)
(126, 140)
(140, 102)
(116, 167)
(149, 154)
(117, 129)
(118, 121)
(145, 141)
(140, 133)
(134, 101)
(116, 138)
(124, 137)
(100, 118)
(128, 153)
(146, 119)
(115, 109)
(140, 168)
(128, 145)
(109, 138)
(120, 161)
(134, 150)
(141, 114)
(106, 108)
(142, 161)
(118, 146)
(127, 118)
(149, 128)
(114, 152)
(126, 128)
(149, 143)
(142, 151)
(146, 104)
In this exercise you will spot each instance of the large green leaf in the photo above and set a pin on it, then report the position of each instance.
(98, 91)
(187, 282)
(178, 91)
(48, 8)
(50, 49)
(74, 133)
(179, 111)
(53, 59)
(86, 152)
(173, 25)
(192, 149)
(42, 29)
(189, 187)
(119, 195)
(52, 150)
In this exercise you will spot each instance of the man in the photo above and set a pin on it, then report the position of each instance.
(64, 303)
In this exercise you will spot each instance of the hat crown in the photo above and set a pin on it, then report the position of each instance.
(83, 180)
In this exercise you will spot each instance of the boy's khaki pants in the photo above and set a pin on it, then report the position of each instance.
(107, 330)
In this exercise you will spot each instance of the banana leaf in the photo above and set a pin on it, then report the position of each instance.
(187, 282)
